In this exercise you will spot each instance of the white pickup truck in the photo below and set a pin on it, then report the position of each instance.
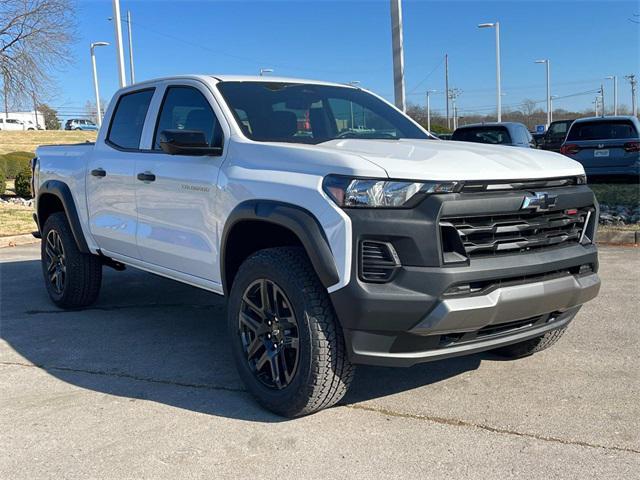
(341, 231)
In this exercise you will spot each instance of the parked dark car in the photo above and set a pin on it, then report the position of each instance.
(607, 147)
(554, 137)
(504, 133)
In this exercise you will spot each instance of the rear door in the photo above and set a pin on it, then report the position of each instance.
(110, 176)
(176, 198)
(602, 142)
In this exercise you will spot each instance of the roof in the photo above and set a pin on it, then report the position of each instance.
(608, 117)
(491, 124)
(274, 79)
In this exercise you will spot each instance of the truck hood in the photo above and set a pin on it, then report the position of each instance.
(447, 160)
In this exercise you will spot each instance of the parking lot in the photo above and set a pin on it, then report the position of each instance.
(142, 386)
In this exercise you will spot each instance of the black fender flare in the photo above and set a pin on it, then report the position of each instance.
(296, 219)
(62, 191)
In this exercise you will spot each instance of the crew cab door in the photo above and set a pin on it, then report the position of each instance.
(176, 194)
(111, 176)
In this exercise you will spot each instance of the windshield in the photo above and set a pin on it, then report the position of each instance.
(304, 113)
(489, 134)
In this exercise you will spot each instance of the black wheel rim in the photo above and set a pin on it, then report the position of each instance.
(56, 262)
(269, 333)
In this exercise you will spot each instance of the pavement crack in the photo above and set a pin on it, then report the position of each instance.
(128, 376)
(466, 424)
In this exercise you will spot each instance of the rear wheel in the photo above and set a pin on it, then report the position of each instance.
(529, 347)
(286, 340)
(72, 278)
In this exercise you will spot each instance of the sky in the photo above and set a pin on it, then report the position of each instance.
(346, 41)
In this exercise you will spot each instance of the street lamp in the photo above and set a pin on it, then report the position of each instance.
(615, 92)
(95, 79)
(265, 70)
(547, 63)
(496, 25)
(429, 92)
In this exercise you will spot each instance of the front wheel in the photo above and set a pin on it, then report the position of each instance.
(72, 278)
(286, 340)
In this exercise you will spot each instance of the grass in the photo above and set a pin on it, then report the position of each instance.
(16, 219)
(29, 141)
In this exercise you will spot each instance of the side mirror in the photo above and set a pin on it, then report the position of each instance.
(186, 142)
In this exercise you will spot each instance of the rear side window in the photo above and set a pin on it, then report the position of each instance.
(492, 135)
(128, 119)
(185, 108)
(602, 130)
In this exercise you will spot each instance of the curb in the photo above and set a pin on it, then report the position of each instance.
(618, 237)
(15, 240)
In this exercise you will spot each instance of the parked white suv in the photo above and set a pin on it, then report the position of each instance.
(341, 231)
(11, 124)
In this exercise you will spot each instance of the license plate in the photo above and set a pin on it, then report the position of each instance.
(601, 153)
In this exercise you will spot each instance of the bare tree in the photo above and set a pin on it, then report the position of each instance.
(34, 40)
(528, 107)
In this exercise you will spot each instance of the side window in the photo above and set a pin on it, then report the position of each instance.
(185, 108)
(128, 119)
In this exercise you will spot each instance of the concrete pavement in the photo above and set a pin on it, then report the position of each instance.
(141, 385)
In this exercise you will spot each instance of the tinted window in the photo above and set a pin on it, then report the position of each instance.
(128, 119)
(487, 134)
(602, 130)
(185, 108)
(559, 128)
(304, 113)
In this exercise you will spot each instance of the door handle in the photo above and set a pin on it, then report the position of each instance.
(99, 172)
(146, 177)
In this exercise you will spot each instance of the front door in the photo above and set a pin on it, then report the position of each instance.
(176, 194)
(111, 177)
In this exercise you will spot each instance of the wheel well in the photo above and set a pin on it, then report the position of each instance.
(249, 236)
(48, 203)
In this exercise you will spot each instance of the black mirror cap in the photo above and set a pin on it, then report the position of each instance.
(186, 142)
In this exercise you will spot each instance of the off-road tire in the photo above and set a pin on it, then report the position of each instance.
(529, 347)
(83, 276)
(324, 371)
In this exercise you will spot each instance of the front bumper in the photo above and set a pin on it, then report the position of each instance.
(420, 315)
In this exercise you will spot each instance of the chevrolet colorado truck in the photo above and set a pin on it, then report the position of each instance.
(340, 230)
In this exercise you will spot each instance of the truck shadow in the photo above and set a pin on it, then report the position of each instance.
(149, 338)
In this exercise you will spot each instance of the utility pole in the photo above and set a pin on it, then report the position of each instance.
(634, 83)
(398, 55)
(446, 86)
(615, 92)
(132, 75)
(602, 98)
(6, 97)
(595, 103)
(35, 107)
(119, 53)
(429, 92)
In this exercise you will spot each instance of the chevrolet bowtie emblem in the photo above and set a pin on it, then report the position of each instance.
(538, 201)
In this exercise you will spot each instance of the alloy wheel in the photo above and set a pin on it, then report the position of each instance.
(56, 261)
(269, 333)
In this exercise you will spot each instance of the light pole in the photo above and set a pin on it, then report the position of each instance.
(496, 25)
(615, 92)
(398, 55)
(429, 92)
(132, 75)
(552, 98)
(604, 113)
(118, 34)
(265, 70)
(633, 82)
(548, 65)
(95, 79)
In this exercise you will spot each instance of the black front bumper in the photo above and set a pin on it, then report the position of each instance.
(418, 315)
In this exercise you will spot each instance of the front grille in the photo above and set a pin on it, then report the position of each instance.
(378, 261)
(520, 232)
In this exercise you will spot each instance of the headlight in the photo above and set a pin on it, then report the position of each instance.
(376, 193)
